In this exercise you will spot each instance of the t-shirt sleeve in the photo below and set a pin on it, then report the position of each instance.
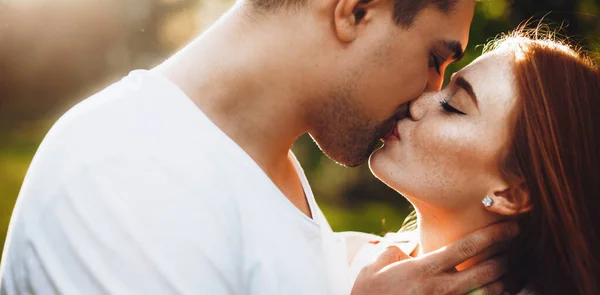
(134, 226)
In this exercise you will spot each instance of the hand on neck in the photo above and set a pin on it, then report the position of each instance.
(439, 228)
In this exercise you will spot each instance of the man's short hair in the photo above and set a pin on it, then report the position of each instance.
(405, 11)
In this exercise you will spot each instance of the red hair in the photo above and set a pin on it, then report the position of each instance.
(556, 151)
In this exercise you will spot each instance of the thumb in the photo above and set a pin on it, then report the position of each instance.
(390, 255)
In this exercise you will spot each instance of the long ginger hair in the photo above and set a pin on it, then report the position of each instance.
(556, 152)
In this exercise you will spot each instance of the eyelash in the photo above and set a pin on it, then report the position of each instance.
(435, 63)
(450, 109)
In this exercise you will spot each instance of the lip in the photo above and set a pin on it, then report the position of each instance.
(393, 134)
(402, 113)
(396, 133)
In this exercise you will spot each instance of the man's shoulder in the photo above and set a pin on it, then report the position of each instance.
(132, 104)
(142, 113)
(136, 129)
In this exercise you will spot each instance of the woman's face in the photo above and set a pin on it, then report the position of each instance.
(449, 154)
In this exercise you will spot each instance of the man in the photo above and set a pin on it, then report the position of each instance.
(180, 180)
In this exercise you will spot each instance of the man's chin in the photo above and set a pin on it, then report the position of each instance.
(349, 161)
(349, 157)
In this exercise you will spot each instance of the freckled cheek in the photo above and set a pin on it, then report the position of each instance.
(441, 145)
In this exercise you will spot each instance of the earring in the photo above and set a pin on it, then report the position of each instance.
(487, 201)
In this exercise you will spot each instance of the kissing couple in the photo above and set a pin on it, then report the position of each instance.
(180, 179)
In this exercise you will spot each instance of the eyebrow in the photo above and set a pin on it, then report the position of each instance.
(464, 84)
(456, 48)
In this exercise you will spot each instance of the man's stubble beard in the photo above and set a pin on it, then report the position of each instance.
(343, 131)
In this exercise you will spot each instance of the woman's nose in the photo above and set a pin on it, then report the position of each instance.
(417, 108)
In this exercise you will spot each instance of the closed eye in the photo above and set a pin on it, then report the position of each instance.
(450, 109)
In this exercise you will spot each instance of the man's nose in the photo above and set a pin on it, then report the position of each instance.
(434, 82)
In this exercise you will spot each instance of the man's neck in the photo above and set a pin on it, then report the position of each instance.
(438, 229)
(247, 85)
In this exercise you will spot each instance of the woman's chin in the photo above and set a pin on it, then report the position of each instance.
(376, 162)
(382, 167)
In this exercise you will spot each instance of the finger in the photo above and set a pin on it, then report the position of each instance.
(472, 245)
(390, 255)
(495, 288)
(482, 274)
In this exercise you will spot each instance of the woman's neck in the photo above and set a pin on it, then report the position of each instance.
(440, 228)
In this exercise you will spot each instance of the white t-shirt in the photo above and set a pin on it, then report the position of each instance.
(136, 191)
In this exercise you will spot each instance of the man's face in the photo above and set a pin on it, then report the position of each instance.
(381, 71)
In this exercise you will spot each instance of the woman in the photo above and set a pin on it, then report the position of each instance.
(515, 135)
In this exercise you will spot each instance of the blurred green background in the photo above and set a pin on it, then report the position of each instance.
(54, 53)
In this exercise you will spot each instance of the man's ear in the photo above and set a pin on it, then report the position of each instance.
(348, 15)
(510, 201)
